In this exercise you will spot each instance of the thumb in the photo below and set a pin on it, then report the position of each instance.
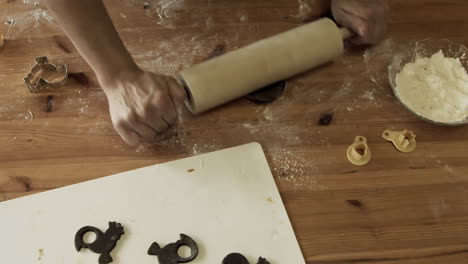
(347, 19)
(177, 93)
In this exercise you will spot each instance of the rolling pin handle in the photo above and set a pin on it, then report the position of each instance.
(346, 33)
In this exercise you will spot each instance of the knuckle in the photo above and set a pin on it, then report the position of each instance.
(171, 118)
(169, 79)
(147, 111)
(159, 126)
(367, 13)
(159, 97)
(364, 31)
(163, 103)
(181, 95)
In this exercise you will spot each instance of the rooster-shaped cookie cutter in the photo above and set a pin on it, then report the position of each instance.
(45, 75)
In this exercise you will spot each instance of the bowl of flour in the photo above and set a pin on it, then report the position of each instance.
(430, 78)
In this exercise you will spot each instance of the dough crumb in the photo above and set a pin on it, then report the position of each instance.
(435, 88)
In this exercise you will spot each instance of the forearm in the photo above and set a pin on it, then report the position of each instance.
(88, 25)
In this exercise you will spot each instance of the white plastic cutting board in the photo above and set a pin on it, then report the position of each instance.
(229, 203)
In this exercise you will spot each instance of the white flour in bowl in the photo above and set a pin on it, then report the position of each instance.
(435, 88)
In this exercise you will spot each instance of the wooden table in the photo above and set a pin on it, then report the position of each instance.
(401, 208)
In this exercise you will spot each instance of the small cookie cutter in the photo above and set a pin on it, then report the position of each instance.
(45, 75)
(359, 153)
(404, 141)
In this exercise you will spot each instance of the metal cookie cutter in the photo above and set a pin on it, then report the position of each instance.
(45, 75)
(359, 153)
(404, 141)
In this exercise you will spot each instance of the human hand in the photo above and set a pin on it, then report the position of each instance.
(143, 104)
(367, 18)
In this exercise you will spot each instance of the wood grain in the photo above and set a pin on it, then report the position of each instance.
(401, 208)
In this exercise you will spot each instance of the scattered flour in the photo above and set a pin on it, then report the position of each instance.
(25, 22)
(32, 2)
(296, 170)
(164, 10)
(435, 88)
(304, 10)
(268, 114)
(251, 128)
(170, 59)
(369, 95)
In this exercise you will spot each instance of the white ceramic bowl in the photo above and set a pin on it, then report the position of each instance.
(425, 48)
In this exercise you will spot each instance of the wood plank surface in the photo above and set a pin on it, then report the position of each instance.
(401, 208)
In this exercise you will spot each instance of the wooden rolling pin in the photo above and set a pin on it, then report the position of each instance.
(240, 72)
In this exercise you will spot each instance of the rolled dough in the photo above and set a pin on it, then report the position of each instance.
(435, 88)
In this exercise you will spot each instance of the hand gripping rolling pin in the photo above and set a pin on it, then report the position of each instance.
(240, 72)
